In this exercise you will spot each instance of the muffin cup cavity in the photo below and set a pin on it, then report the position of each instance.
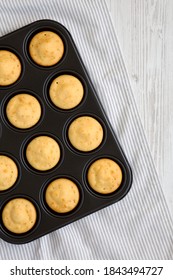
(19, 216)
(35, 150)
(62, 196)
(10, 173)
(87, 137)
(45, 47)
(113, 172)
(22, 110)
(65, 91)
(11, 67)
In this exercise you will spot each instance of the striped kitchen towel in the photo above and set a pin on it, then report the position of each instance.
(139, 226)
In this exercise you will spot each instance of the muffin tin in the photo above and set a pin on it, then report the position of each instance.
(54, 122)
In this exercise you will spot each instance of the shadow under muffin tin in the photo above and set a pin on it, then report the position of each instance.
(54, 122)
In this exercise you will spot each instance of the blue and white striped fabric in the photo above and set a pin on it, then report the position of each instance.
(139, 226)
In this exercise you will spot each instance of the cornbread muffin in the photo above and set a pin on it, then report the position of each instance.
(104, 176)
(10, 68)
(23, 111)
(8, 172)
(46, 48)
(62, 195)
(66, 92)
(43, 153)
(19, 215)
(85, 133)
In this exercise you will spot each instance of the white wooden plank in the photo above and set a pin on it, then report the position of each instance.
(144, 30)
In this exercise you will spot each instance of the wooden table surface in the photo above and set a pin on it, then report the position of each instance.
(145, 32)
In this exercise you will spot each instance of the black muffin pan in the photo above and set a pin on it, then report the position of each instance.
(54, 122)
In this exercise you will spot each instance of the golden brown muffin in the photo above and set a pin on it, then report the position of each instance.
(8, 172)
(85, 133)
(62, 195)
(66, 92)
(104, 176)
(43, 153)
(19, 215)
(46, 48)
(10, 68)
(23, 111)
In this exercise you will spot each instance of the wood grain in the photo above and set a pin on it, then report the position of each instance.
(145, 32)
